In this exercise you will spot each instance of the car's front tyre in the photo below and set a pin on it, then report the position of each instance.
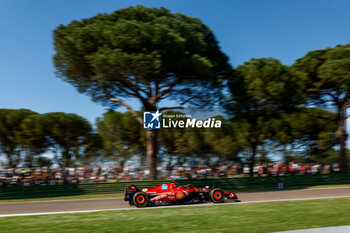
(217, 195)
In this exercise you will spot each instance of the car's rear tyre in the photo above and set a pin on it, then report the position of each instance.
(140, 199)
(217, 195)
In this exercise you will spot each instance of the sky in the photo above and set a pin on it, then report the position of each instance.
(245, 29)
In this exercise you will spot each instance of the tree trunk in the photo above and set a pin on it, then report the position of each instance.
(151, 134)
(13, 159)
(10, 162)
(66, 158)
(252, 161)
(122, 163)
(142, 159)
(152, 151)
(286, 155)
(341, 133)
(29, 159)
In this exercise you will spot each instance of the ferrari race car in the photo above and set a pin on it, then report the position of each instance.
(166, 194)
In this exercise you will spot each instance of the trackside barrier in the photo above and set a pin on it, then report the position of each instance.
(238, 184)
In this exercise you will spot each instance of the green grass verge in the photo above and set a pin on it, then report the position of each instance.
(76, 197)
(254, 218)
(292, 188)
(328, 186)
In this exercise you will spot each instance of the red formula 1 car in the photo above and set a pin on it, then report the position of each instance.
(169, 193)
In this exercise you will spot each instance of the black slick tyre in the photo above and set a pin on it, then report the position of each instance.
(217, 195)
(140, 199)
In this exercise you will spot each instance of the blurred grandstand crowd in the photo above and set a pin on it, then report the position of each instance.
(115, 173)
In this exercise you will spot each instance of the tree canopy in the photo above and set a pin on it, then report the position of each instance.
(309, 132)
(122, 136)
(32, 137)
(145, 53)
(66, 133)
(140, 52)
(10, 126)
(25, 135)
(260, 90)
(325, 74)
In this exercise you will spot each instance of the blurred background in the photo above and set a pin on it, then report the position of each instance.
(275, 73)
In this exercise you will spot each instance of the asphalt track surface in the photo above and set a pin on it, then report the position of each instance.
(92, 205)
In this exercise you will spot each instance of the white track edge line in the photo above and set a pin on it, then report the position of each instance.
(70, 200)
